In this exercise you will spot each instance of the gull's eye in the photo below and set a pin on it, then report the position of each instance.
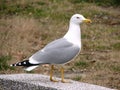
(77, 17)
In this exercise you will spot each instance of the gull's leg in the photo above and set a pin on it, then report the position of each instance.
(51, 74)
(62, 76)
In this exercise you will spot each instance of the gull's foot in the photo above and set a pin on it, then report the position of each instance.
(65, 81)
(53, 80)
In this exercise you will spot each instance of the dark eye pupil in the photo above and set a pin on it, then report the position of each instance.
(77, 17)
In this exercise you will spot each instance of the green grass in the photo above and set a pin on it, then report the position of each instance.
(77, 78)
(82, 64)
(99, 2)
(26, 10)
(4, 62)
(116, 46)
(115, 68)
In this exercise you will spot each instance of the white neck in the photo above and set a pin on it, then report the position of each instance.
(74, 34)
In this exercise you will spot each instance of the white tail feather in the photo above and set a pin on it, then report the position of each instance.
(30, 68)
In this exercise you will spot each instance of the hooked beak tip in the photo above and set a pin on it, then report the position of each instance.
(87, 21)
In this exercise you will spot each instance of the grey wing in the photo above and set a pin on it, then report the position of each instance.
(57, 52)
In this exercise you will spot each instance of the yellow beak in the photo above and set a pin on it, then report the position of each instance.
(87, 21)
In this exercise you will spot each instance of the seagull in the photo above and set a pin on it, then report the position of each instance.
(60, 51)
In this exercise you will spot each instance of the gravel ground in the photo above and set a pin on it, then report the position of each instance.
(41, 82)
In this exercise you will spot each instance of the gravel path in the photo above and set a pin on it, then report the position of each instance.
(41, 82)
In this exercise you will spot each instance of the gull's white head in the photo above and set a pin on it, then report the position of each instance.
(78, 19)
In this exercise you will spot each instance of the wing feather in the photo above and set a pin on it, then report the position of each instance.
(57, 52)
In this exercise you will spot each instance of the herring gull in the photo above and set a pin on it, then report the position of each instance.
(60, 51)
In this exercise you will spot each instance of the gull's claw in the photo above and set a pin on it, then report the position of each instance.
(51, 74)
(65, 81)
(53, 80)
(62, 77)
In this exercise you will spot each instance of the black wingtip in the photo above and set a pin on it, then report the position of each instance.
(16, 64)
(25, 63)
